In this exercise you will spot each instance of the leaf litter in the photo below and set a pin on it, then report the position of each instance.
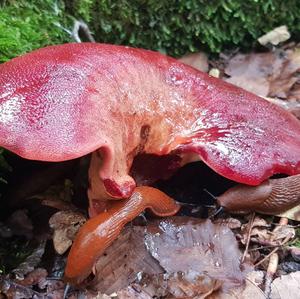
(179, 257)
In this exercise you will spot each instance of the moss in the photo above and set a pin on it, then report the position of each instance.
(28, 25)
(179, 26)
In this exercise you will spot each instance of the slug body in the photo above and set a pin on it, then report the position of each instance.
(99, 232)
(273, 196)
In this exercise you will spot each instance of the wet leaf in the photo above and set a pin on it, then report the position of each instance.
(182, 244)
(181, 257)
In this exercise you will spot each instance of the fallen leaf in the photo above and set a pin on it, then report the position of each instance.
(251, 72)
(124, 262)
(283, 231)
(65, 225)
(182, 244)
(256, 277)
(197, 60)
(286, 286)
(37, 276)
(230, 222)
(188, 285)
(293, 214)
(272, 74)
(178, 257)
(249, 291)
(132, 292)
(30, 262)
(275, 36)
(15, 290)
(260, 230)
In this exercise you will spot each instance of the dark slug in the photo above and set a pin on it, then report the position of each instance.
(273, 196)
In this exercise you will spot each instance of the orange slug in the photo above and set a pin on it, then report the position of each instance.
(99, 232)
(273, 196)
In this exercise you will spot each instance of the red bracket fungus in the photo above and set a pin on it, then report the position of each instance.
(63, 102)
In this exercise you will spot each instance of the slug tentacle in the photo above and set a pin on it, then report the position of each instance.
(273, 196)
(99, 232)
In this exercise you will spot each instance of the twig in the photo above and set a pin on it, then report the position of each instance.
(81, 27)
(264, 247)
(248, 236)
(286, 239)
(265, 242)
(274, 258)
(272, 267)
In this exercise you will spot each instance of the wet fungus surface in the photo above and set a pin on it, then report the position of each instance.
(62, 102)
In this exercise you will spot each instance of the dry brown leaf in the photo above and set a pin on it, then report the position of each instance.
(259, 230)
(286, 286)
(65, 225)
(261, 233)
(272, 74)
(251, 71)
(283, 231)
(230, 222)
(293, 214)
(197, 60)
(275, 36)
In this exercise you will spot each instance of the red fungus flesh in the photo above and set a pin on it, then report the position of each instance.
(62, 102)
